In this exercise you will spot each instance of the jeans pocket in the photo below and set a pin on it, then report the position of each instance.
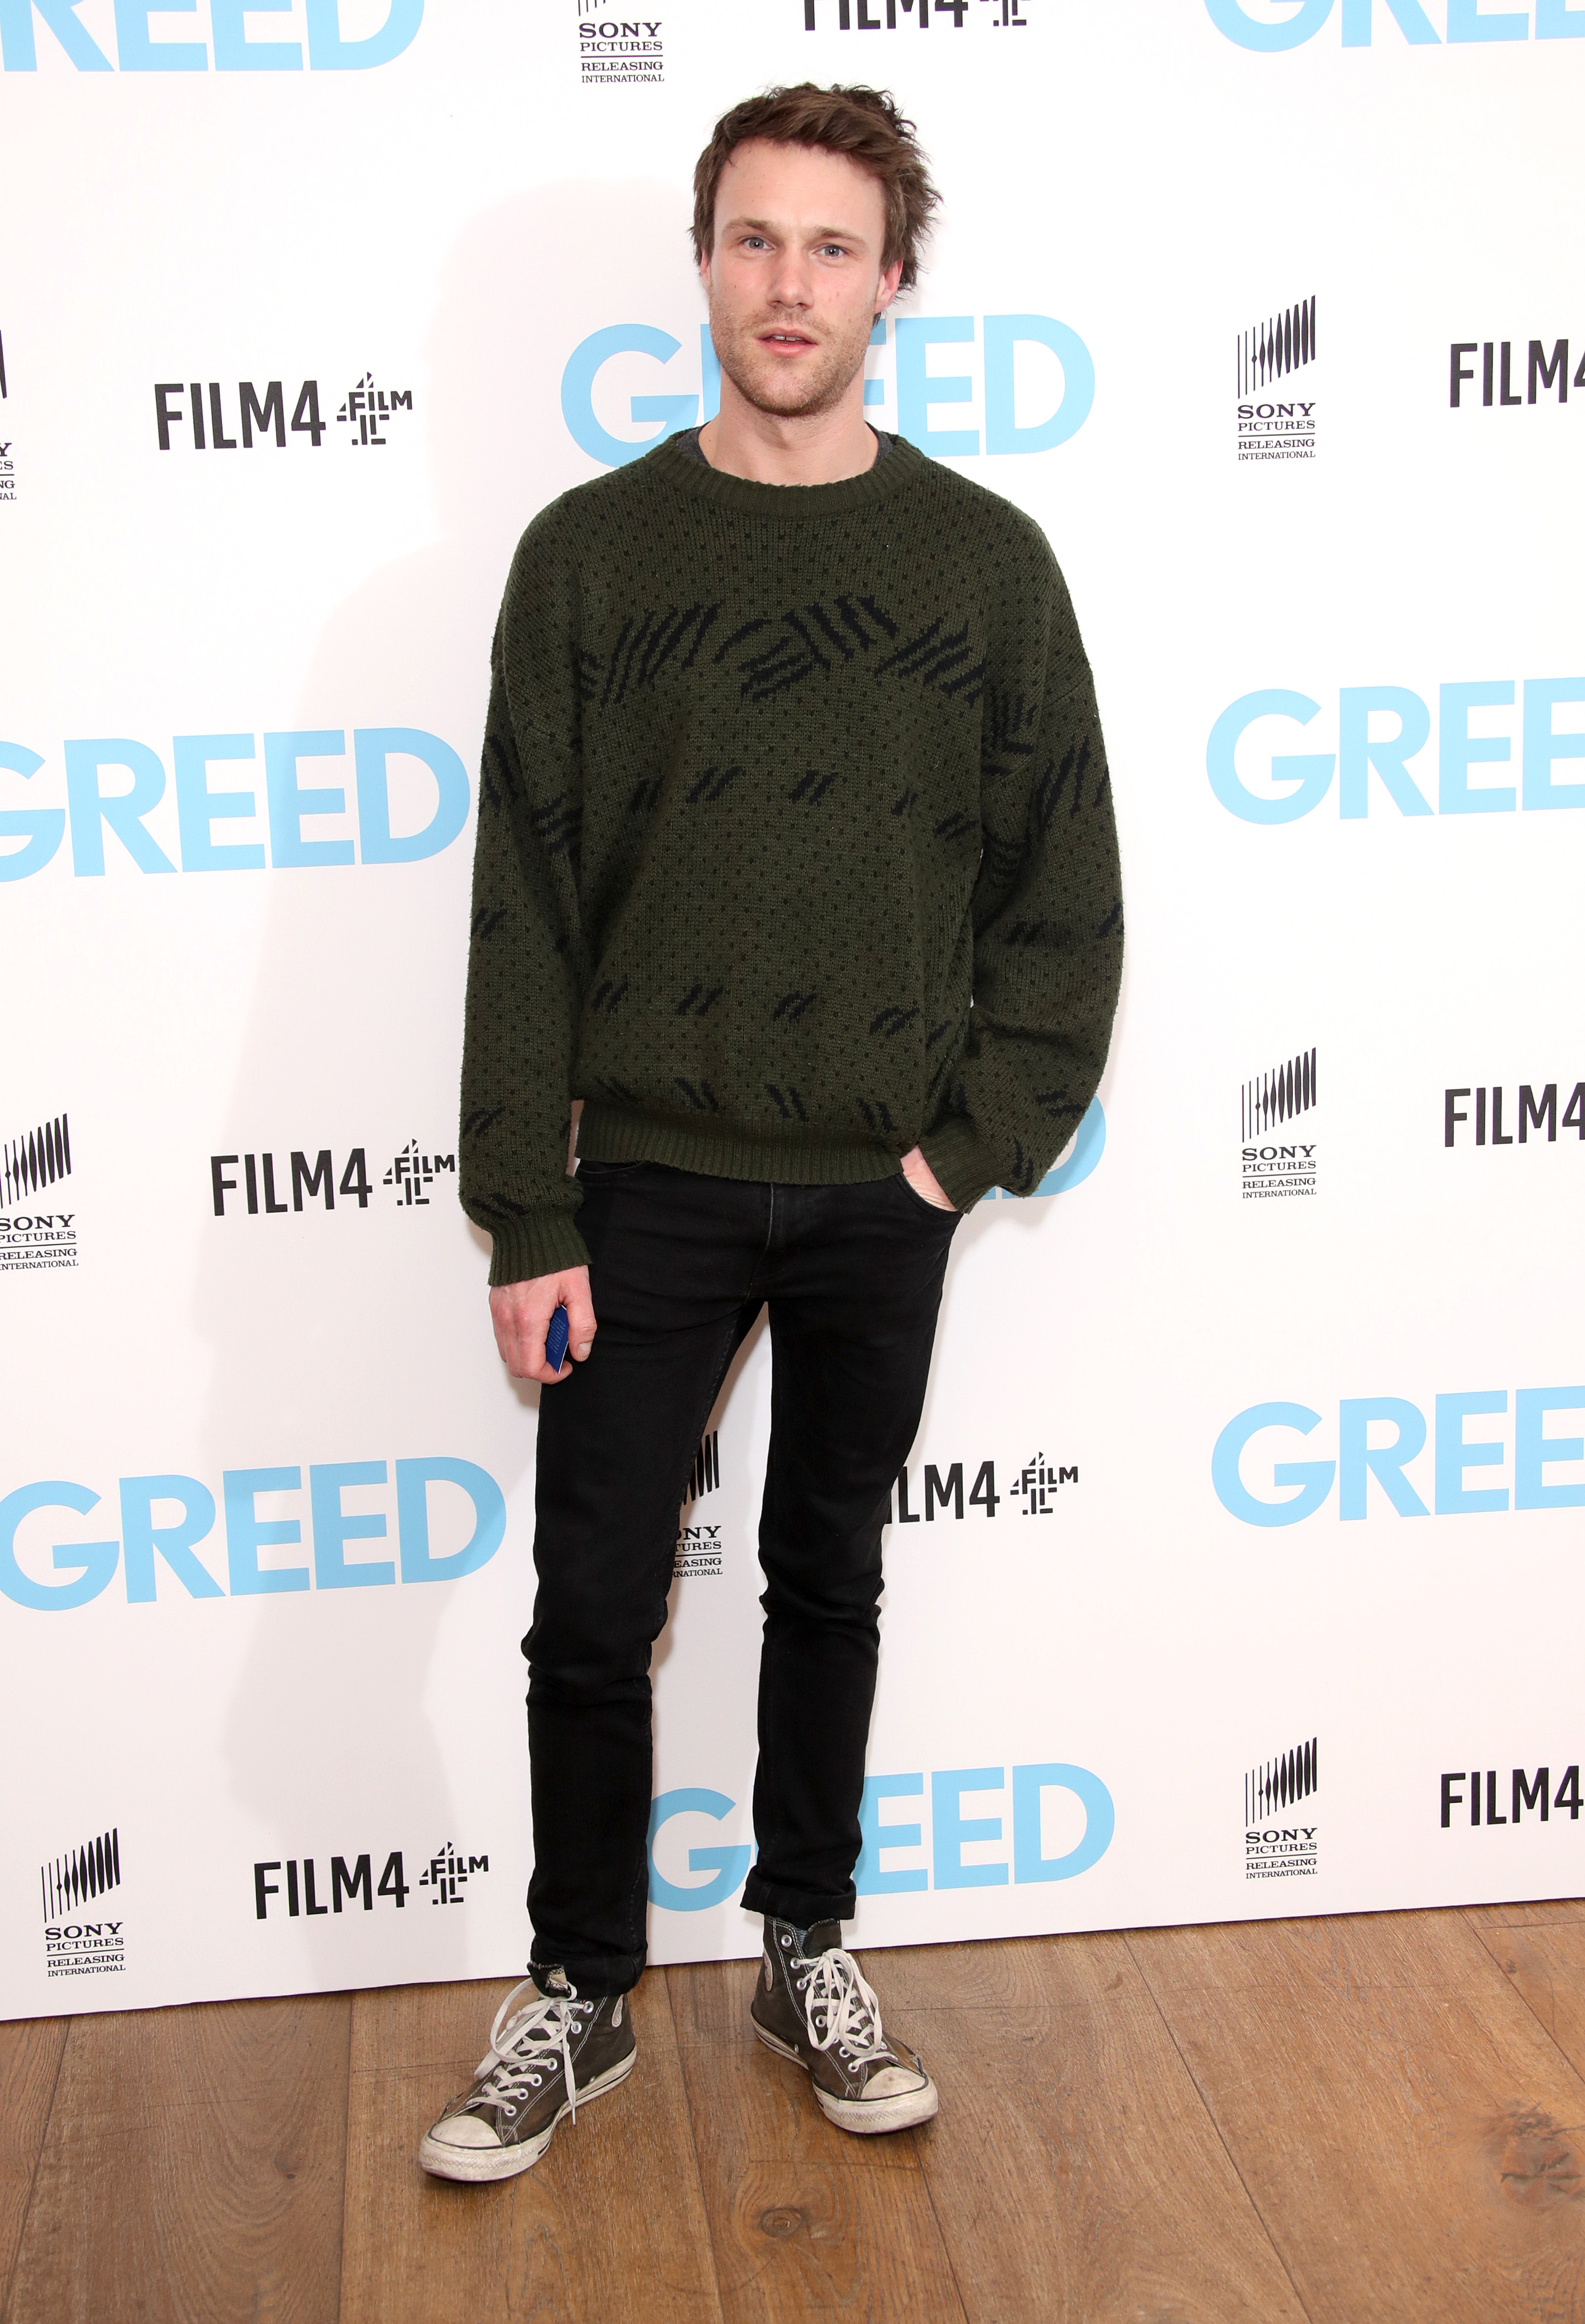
(922, 1202)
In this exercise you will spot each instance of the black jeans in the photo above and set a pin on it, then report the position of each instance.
(680, 1266)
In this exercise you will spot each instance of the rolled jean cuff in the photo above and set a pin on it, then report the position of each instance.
(801, 1906)
(593, 1974)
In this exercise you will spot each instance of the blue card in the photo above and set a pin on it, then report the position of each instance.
(555, 1341)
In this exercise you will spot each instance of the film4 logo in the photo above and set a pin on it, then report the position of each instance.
(1528, 1113)
(412, 1174)
(881, 15)
(197, 412)
(448, 1872)
(269, 1189)
(1491, 1799)
(1541, 372)
(307, 1895)
(308, 1182)
(1033, 1489)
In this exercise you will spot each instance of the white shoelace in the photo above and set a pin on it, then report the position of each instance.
(527, 2044)
(837, 1989)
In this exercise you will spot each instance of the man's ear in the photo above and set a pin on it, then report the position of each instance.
(886, 289)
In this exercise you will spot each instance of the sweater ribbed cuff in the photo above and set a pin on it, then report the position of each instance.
(960, 1161)
(543, 1243)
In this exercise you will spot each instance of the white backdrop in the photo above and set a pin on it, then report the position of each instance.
(1190, 1556)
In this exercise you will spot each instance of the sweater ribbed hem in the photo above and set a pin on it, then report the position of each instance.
(543, 1243)
(960, 1161)
(609, 1133)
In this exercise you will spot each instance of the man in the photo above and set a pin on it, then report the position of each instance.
(796, 864)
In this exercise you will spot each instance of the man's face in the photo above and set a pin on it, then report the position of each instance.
(795, 280)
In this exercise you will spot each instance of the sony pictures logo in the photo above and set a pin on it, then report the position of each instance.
(1275, 408)
(81, 1937)
(1279, 1152)
(700, 1549)
(7, 463)
(619, 51)
(1280, 1844)
(37, 1232)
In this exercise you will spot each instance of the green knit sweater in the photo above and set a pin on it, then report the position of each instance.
(795, 846)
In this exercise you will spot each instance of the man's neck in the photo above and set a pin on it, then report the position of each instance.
(821, 448)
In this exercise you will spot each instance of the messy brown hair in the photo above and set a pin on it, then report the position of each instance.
(863, 124)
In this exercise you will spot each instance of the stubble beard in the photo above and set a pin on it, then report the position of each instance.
(770, 386)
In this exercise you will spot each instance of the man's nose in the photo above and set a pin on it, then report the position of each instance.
(791, 280)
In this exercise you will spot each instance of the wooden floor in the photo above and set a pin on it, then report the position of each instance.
(1338, 2120)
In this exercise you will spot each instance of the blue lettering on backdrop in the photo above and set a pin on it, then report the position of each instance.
(1455, 1453)
(951, 1831)
(248, 1531)
(141, 1537)
(1310, 773)
(92, 806)
(137, 51)
(1312, 1479)
(871, 1876)
(1004, 333)
(1029, 1786)
(917, 389)
(728, 1865)
(95, 1561)
(413, 1480)
(1305, 777)
(588, 359)
(1465, 20)
(39, 828)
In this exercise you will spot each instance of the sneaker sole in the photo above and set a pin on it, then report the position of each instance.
(866, 2117)
(473, 2164)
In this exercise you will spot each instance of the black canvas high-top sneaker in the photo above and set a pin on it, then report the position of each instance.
(812, 2005)
(548, 2050)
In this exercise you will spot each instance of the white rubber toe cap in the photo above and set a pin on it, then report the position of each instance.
(463, 2130)
(896, 2082)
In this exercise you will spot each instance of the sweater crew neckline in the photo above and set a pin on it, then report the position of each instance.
(674, 463)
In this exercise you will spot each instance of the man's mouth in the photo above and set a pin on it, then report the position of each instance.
(785, 340)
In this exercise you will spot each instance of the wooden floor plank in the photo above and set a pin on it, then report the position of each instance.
(193, 2167)
(1546, 1969)
(804, 2219)
(1075, 2171)
(1548, 1913)
(1405, 2128)
(1132, 2128)
(29, 2060)
(609, 2226)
